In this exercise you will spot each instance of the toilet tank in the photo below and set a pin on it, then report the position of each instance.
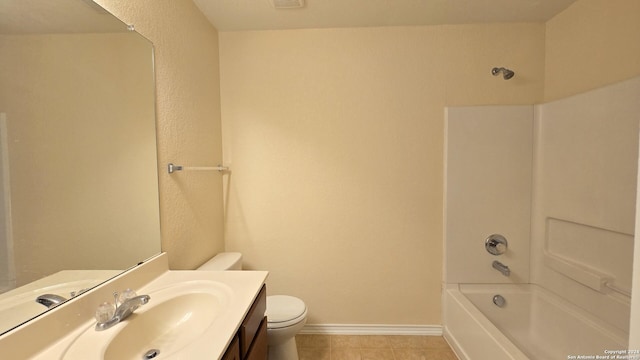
(224, 261)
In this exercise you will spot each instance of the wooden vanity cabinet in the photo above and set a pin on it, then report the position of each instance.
(250, 343)
(233, 351)
(258, 349)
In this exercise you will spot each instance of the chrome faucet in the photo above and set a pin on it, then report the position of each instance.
(53, 300)
(50, 300)
(504, 269)
(123, 310)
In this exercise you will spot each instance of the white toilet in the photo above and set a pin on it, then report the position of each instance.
(286, 315)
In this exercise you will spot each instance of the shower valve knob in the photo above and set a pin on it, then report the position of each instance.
(496, 244)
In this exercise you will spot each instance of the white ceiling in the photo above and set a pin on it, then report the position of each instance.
(238, 15)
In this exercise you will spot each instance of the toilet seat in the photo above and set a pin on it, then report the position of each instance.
(284, 310)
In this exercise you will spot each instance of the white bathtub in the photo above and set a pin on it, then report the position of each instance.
(534, 324)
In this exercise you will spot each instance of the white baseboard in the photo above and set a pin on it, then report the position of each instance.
(367, 329)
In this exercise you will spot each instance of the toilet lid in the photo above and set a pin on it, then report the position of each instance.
(284, 309)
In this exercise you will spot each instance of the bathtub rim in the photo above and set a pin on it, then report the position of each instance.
(493, 335)
(616, 334)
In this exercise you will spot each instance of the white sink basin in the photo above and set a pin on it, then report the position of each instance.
(174, 317)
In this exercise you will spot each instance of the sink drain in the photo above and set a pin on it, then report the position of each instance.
(151, 354)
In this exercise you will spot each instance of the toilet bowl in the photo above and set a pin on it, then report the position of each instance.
(286, 315)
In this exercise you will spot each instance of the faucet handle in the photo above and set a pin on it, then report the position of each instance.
(126, 295)
(105, 312)
(496, 244)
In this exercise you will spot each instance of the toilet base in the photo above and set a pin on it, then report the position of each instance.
(285, 351)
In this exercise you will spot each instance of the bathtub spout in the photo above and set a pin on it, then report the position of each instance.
(504, 269)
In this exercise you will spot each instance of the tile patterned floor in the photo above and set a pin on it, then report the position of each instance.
(373, 347)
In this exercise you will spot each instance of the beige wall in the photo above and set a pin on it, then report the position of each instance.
(188, 117)
(336, 142)
(590, 44)
(634, 321)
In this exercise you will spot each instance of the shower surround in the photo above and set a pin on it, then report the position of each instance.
(558, 180)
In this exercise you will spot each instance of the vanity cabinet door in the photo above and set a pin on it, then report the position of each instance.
(252, 322)
(233, 352)
(258, 350)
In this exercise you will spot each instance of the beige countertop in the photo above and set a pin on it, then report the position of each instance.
(74, 320)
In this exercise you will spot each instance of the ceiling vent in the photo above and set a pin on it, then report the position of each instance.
(287, 4)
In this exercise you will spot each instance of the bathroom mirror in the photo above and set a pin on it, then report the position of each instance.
(78, 165)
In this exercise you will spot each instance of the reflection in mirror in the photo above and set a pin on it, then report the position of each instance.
(78, 169)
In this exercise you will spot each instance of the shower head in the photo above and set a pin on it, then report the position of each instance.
(506, 73)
